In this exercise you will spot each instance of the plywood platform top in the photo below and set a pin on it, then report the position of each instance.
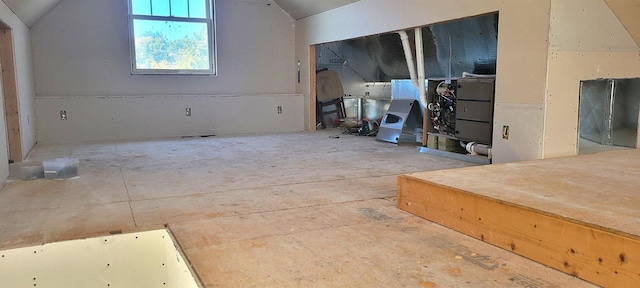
(602, 190)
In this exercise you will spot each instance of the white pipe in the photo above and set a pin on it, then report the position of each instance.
(477, 149)
(418, 81)
(409, 56)
(420, 60)
(467, 74)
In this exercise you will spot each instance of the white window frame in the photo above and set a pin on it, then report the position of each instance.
(211, 26)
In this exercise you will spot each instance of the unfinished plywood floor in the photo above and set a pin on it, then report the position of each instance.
(289, 210)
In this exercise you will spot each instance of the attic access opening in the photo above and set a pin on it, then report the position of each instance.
(608, 117)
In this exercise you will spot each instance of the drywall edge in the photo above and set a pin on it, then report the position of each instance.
(136, 259)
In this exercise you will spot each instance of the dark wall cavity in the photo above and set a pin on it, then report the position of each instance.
(451, 48)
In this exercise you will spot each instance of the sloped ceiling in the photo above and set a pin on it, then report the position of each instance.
(628, 12)
(299, 9)
(30, 11)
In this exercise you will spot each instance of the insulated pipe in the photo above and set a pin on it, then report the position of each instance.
(477, 149)
(409, 56)
(420, 60)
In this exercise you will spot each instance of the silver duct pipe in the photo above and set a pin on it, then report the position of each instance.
(418, 81)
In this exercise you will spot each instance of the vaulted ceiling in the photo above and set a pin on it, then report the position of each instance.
(303, 8)
(627, 11)
(30, 11)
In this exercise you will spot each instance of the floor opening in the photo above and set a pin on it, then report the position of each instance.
(138, 259)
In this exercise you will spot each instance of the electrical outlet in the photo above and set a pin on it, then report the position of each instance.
(188, 112)
(505, 132)
(63, 115)
(279, 109)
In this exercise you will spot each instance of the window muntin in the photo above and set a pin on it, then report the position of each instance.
(172, 36)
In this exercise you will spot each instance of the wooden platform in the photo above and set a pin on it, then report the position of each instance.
(580, 215)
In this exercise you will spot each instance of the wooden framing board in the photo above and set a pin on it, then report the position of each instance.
(425, 125)
(586, 251)
(312, 88)
(10, 92)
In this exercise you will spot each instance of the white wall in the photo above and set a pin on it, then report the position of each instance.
(158, 116)
(522, 55)
(81, 55)
(581, 48)
(25, 85)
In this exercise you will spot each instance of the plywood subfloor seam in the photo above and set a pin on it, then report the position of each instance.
(124, 182)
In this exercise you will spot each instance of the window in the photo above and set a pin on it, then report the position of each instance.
(172, 36)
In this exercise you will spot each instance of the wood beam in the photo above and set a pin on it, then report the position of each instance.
(10, 92)
(312, 88)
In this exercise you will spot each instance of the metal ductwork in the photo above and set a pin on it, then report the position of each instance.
(449, 49)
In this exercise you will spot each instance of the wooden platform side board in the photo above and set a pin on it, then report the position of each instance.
(595, 254)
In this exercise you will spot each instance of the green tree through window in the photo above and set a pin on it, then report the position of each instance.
(172, 36)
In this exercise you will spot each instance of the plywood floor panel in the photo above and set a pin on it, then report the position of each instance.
(37, 226)
(97, 186)
(285, 210)
(398, 251)
(269, 198)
